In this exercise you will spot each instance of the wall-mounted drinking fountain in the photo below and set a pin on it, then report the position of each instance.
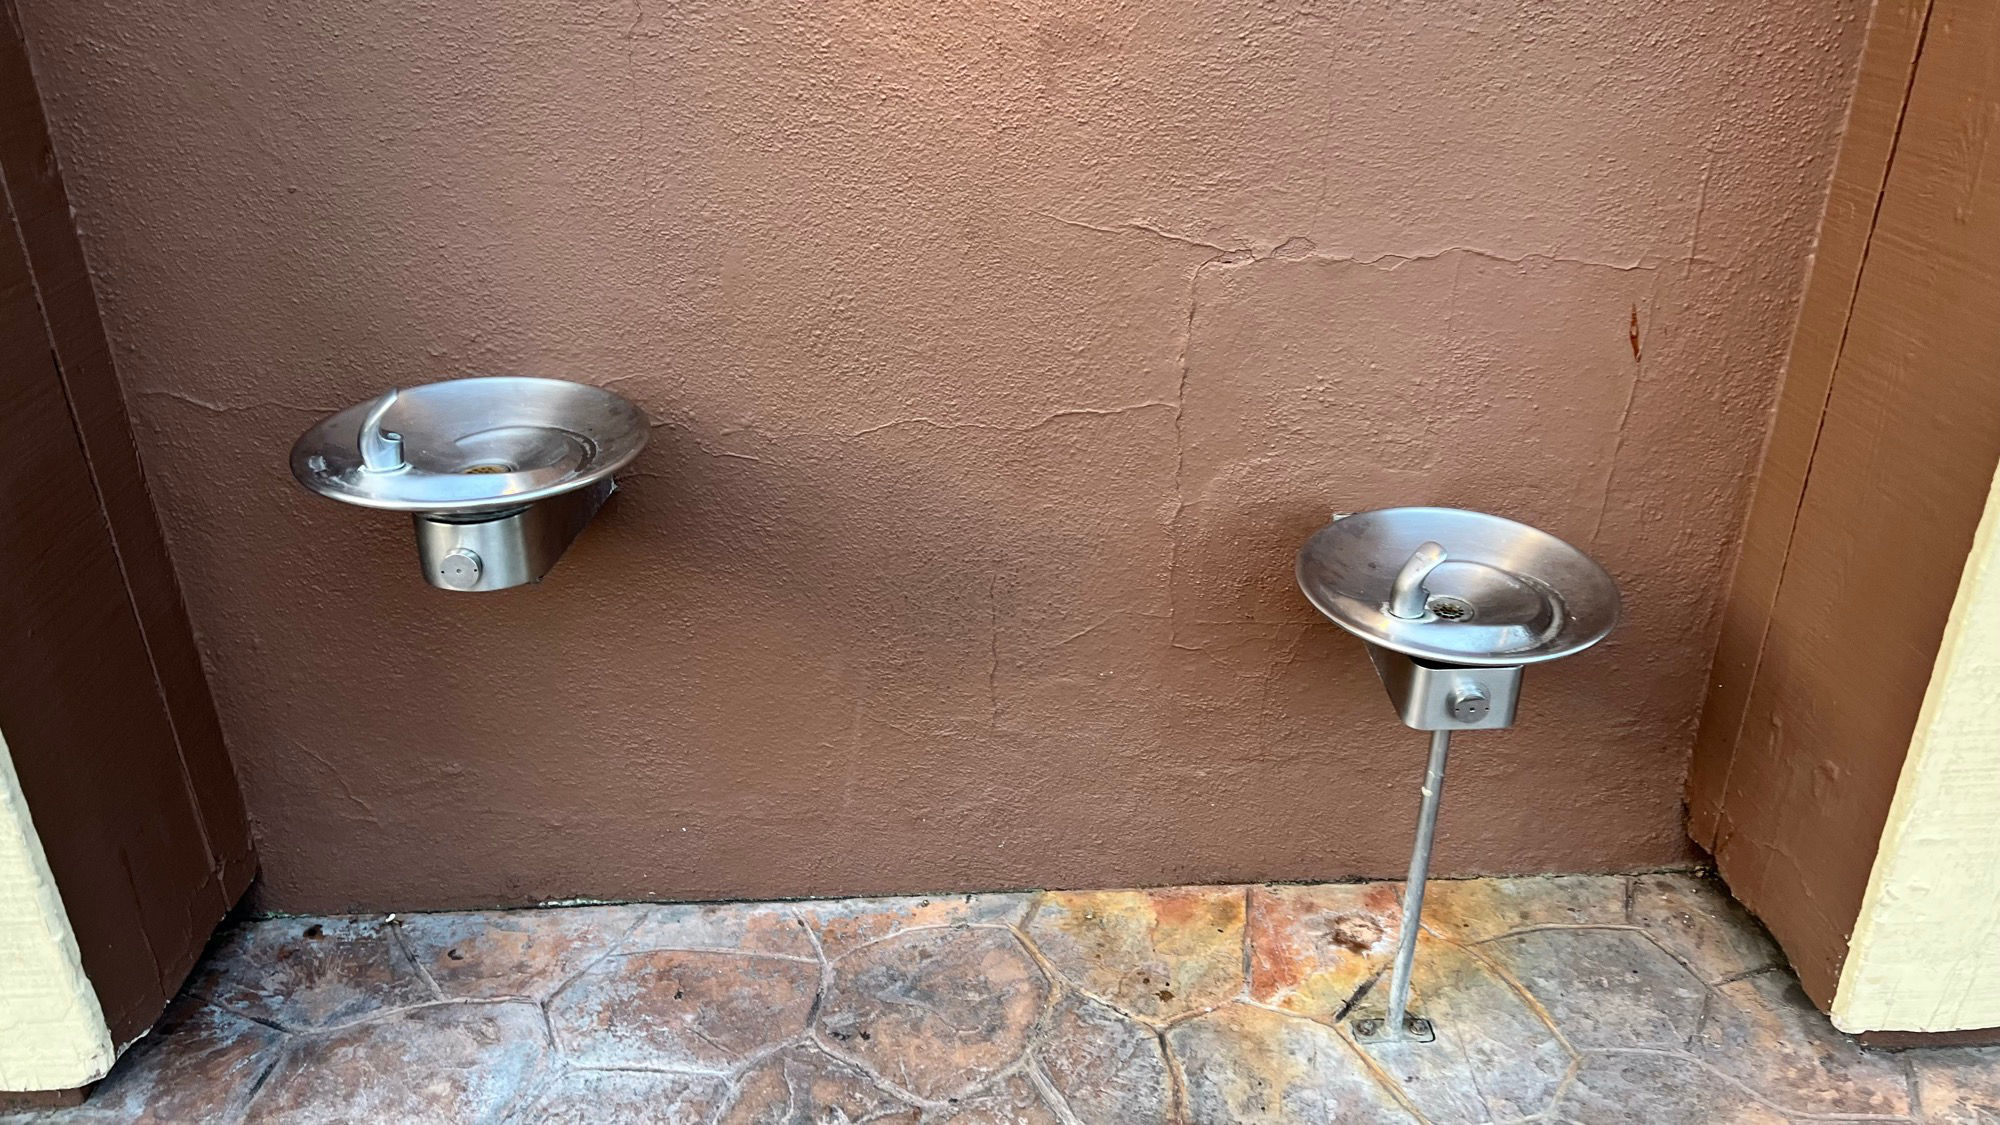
(1453, 605)
(499, 474)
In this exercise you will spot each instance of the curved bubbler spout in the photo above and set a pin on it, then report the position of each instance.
(381, 450)
(1408, 595)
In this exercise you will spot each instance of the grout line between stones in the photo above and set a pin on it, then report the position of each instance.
(1249, 943)
(1381, 1076)
(611, 949)
(1544, 928)
(263, 1076)
(1561, 1091)
(1753, 1093)
(1046, 1088)
(1653, 940)
(1177, 1090)
(825, 985)
(1700, 1018)
(212, 1002)
(1533, 1003)
(759, 954)
(402, 946)
(1746, 974)
(542, 1002)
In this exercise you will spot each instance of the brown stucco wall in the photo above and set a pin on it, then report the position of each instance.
(1001, 355)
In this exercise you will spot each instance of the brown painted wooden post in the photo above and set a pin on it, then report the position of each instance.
(1884, 447)
(104, 702)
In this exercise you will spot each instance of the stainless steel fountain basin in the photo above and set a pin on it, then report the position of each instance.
(1497, 592)
(499, 474)
(1454, 605)
(473, 444)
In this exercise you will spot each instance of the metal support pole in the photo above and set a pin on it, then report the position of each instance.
(1396, 1027)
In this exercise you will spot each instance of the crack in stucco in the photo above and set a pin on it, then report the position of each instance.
(1701, 201)
(1275, 668)
(693, 441)
(1451, 299)
(367, 810)
(1226, 258)
(993, 651)
(1391, 260)
(1300, 249)
(1119, 615)
(1073, 412)
(1639, 328)
(231, 407)
(1143, 227)
(1263, 250)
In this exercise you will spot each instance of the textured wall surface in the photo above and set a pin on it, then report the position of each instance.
(1001, 356)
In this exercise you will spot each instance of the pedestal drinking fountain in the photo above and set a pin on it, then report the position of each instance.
(1453, 606)
(499, 474)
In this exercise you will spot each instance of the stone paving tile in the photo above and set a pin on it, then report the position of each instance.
(694, 1010)
(803, 1084)
(1138, 1007)
(1605, 988)
(937, 1012)
(443, 1062)
(843, 924)
(1156, 954)
(1106, 1068)
(1244, 1065)
(1695, 920)
(1494, 1057)
(1763, 1032)
(1958, 1085)
(1312, 948)
(307, 973)
(1623, 1087)
(773, 928)
(1474, 910)
(200, 1064)
(626, 1097)
(491, 955)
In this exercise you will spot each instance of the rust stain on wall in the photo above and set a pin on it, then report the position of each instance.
(1000, 359)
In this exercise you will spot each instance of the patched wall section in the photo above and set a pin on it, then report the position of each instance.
(1001, 358)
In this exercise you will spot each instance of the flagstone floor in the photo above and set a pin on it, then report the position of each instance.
(1648, 999)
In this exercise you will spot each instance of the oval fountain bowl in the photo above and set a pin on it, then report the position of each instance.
(474, 445)
(1503, 594)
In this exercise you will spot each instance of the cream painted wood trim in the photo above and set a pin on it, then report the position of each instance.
(1925, 955)
(52, 1032)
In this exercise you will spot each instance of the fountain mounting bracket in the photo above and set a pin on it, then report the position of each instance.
(1429, 695)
